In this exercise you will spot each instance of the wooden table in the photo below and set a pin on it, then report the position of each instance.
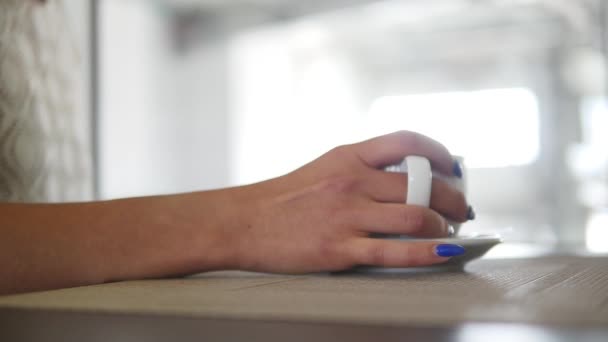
(542, 299)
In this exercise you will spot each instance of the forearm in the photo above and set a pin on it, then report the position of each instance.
(317, 218)
(57, 245)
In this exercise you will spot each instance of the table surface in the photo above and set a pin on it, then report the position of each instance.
(568, 294)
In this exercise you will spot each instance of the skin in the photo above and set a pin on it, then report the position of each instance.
(316, 218)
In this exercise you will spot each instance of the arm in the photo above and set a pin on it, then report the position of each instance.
(58, 245)
(317, 218)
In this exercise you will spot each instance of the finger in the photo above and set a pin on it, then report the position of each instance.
(385, 186)
(393, 218)
(392, 148)
(391, 253)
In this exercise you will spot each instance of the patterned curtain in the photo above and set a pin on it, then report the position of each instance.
(44, 136)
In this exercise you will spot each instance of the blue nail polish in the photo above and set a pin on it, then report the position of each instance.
(449, 250)
(456, 170)
(470, 214)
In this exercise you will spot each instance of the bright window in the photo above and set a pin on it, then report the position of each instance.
(291, 104)
(491, 128)
(597, 232)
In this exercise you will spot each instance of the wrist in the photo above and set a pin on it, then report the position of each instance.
(213, 222)
(168, 235)
(224, 221)
(244, 214)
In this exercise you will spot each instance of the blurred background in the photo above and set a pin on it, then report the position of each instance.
(200, 94)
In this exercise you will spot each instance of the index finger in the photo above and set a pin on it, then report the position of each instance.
(394, 253)
(392, 148)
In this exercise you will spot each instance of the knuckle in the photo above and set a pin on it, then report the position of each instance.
(326, 249)
(459, 198)
(377, 255)
(411, 140)
(414, 219)
(341, 151)
(458, 205)
(407, 256)
(403, 133)
(335, 254)
(448, 200)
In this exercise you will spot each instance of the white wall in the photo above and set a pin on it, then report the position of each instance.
(78, 14)
(163, 115)
(201, 118)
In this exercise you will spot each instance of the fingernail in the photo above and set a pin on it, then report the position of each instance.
(470, 214)
(450, 230)
(456, 170)
(449, 250)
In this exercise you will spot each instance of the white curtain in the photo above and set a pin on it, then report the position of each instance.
(44, 122)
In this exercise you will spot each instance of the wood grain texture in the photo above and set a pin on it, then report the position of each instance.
(560, 290)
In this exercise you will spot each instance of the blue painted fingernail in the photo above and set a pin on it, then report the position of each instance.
(470, 214)
(449, 250)
(456, 169)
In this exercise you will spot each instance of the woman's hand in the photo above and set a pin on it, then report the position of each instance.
(319, 217)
